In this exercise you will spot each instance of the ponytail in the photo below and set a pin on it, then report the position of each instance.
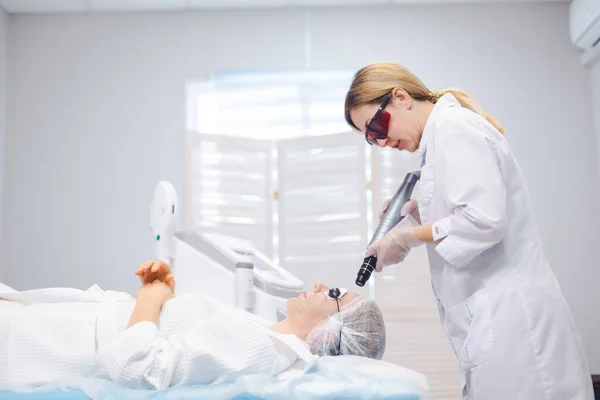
(374, 81)
(468, 102)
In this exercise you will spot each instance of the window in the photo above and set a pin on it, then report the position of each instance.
(270, 105)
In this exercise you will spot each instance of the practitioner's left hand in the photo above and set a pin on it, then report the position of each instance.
(156, 270)
(395, 245)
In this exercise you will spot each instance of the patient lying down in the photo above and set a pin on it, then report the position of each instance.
(158, 340)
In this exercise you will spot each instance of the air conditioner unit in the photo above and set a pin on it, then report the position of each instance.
(585, 23)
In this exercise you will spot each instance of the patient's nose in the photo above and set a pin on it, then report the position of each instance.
(319, 287)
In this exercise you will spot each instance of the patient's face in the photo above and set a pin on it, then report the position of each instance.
(312, 307)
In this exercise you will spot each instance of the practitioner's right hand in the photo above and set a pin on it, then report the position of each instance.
(156, 270)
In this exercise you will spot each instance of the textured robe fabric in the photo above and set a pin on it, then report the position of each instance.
(56, 334)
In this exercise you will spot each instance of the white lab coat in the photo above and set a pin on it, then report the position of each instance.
(499, 301)
(51, 335)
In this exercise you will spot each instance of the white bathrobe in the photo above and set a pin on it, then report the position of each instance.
(51, 335)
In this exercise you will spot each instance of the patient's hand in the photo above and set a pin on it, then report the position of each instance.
(153, 270)
(156, 293)
(150, 299)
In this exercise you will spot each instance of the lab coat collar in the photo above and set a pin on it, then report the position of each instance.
(447, 100)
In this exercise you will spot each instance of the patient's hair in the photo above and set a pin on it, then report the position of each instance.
(362, 331)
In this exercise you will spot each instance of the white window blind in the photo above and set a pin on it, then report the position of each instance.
(415, 336)
(228, 187)
(322, 203)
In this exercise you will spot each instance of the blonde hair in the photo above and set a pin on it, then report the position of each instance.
(373, 82)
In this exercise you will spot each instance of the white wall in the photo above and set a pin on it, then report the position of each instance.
(595, 78)
(97, 115)
(3, 75)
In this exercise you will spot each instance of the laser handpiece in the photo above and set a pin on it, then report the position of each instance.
(391, 218)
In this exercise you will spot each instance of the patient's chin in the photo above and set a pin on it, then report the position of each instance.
(290, 305)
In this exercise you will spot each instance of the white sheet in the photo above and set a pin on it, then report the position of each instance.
(6, 289)
(343, 377)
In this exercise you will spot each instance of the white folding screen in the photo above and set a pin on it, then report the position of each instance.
(322, 201)
(415, 337)
(229, 187)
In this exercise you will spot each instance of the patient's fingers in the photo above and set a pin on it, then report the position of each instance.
(151, 271)
(169, 279)
(154, 270)
(146, 267)
(160, 269)
(143, 268)
(161, 266)
(152, 276)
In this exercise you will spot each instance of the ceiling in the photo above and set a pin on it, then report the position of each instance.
(62, 6)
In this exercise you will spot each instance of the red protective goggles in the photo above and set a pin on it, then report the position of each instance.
(379, 124)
